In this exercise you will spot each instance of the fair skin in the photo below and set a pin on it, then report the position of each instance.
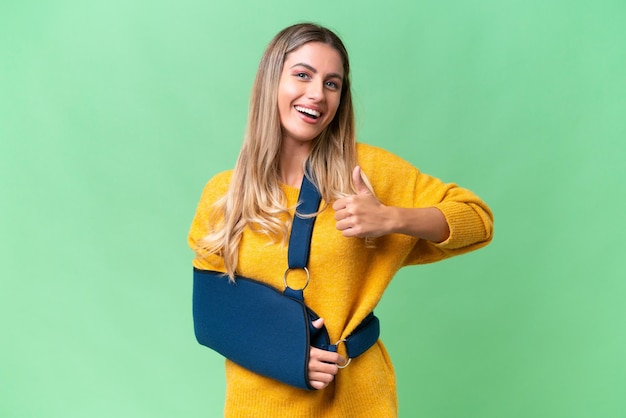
(309, 93)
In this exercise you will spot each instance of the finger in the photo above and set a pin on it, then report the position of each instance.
(318, 323)
(339, 204)
(318, 384)
(324, 377)
(342, 225)
(317, 355)
(321, 377)
(342, 214)
(348, 228)
(341, 360)
(317, 368)
(350, 233)
(359, 184)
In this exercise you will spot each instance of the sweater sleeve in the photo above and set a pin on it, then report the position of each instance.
(200, 226)
(469, 218)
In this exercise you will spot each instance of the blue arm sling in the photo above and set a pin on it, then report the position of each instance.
(266, 330)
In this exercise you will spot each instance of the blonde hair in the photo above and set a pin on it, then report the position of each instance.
(254, 198)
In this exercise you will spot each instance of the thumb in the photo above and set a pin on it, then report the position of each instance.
(359, 184)
(318, 323)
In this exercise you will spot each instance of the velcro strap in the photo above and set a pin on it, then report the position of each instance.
(363, 337)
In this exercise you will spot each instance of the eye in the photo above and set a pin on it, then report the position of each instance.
(332, 85)
(303, 76)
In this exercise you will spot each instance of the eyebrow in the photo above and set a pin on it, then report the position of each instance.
(313, 70)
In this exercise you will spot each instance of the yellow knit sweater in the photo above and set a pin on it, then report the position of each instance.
(347, 281)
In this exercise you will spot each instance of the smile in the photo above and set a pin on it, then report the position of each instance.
(309, 112)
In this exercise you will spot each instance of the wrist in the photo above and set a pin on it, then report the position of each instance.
(396, 221)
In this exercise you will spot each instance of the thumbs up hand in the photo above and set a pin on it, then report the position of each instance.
(362, 215)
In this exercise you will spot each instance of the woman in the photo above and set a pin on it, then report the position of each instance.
(378, 213)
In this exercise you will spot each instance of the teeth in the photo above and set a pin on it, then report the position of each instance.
(311, 112)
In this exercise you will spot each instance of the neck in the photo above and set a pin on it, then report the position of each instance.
(292, 157)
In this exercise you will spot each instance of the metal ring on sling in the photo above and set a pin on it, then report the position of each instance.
(343, 366)
(308, 278)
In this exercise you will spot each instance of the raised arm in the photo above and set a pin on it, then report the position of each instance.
(363, 215)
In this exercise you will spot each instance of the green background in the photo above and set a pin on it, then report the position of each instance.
(113, 115)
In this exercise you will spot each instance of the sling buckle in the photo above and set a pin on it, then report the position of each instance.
(342, 366)
(308, 278)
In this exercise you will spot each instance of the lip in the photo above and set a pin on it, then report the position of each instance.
(306, 118)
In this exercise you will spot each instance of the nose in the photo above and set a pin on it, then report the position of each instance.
(315, 90)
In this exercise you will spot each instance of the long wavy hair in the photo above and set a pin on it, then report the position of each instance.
(254, 198)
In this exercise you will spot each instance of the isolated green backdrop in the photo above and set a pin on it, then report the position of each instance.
(113, 115)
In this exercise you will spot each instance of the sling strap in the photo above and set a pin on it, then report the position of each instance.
(302, 228)
(368, 331)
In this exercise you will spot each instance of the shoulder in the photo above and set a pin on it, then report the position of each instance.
(213, 191)
(217, 186)
(371, 157)
(393, 179)
(221, 179)
(388, 173)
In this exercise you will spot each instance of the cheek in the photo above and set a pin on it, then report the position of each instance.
(284, 100)
(333, 108)
(286, 93)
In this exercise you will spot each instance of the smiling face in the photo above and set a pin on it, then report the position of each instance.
(309, 91)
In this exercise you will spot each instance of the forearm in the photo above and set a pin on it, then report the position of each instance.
(365, 216)
(424, 223)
